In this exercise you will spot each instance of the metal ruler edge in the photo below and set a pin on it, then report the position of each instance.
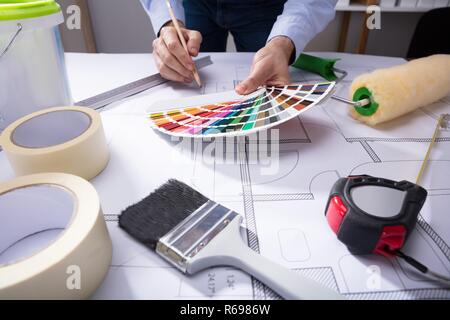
(103, 99)
(127, 90)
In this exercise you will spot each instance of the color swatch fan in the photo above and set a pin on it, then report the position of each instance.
(208, 116)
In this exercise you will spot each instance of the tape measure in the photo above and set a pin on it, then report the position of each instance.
(376, 215)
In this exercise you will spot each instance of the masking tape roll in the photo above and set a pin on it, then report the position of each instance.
(62, 139)
(75, 262)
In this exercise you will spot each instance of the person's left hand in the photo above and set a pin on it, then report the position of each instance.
(270, 66)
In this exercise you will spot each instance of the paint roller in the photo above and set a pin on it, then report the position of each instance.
(386, 94)
(398, 90)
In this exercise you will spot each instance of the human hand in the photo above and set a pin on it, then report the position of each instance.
(172, 60)
(270, 65)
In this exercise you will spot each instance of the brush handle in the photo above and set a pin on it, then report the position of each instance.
(227, 248)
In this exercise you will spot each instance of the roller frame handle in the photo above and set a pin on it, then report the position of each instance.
(321, 66)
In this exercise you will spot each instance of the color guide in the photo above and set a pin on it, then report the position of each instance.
(261, 110)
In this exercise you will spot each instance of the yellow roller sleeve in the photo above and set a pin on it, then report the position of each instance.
(401, 89)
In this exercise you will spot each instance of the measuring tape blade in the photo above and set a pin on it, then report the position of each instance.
(103, 99)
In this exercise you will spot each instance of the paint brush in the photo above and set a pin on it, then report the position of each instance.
(183, 41)
(193, 233)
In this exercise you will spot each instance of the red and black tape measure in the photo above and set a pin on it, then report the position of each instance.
(374, 215)
(377, 215)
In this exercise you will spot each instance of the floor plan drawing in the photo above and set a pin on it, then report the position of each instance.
(279, 189)
(279, 181)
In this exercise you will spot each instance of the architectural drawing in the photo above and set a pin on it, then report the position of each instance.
(284, 211)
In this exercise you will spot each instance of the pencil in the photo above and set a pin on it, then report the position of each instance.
(183, 41)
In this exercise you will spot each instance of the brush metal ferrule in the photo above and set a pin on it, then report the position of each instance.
(192, 234)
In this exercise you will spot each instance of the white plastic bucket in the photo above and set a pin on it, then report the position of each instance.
(32, 68)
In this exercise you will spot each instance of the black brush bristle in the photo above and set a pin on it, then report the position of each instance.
(153, 217)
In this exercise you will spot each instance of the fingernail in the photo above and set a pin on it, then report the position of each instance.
(242, 87)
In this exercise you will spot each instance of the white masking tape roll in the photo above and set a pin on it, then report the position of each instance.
(62, 139)
(54, 243)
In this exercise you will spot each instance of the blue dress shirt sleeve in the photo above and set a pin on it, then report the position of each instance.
(302, 20)
(159, 14)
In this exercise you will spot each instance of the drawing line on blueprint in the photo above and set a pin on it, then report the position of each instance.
(432, 292)
(324, 275)
(280, 243)
(317, 175)
(297, 159)
(373, 139)
(419, 293)
(440, 243)
(431, 247)
(370, 151)
(424, 225)
(327, 275)
(259, 289)
(388, 261)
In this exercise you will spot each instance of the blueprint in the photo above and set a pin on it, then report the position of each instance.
(282, 203)
(283, 210)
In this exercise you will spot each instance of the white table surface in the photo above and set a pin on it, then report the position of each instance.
(139, 158)
(92, 74)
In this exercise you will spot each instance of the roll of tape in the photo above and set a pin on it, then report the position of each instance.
(63, 139)
(75, 262)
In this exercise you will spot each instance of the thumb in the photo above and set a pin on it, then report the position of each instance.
(194, 39)
(257, 77)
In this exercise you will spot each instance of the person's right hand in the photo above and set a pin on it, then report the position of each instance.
(171, 59)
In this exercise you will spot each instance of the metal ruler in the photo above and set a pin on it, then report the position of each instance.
(103, 99)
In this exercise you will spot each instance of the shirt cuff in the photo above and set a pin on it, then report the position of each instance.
(159, 13)
(291, 27)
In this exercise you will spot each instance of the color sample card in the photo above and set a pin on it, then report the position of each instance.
(265, 108)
